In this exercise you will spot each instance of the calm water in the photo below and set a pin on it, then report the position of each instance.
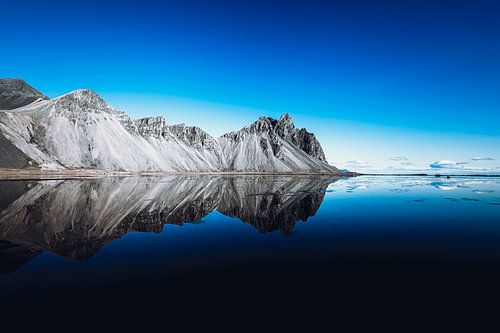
(174, 234)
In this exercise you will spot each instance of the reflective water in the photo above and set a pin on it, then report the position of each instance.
(57, 235)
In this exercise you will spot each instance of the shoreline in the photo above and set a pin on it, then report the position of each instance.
(38, 174)
(437, 175)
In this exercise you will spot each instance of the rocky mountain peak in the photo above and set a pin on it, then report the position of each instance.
(15, 93)
(83, 100)
(263, 124)
(82, 95)
(286, 119)
(277, 142)
(284, 126)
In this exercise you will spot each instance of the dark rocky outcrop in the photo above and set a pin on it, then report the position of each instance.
(11, 156)
(15, 93)
(193, 136)
(301, 138)
(152, 127)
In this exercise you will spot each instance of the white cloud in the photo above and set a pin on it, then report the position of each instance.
(482, 158)
(398, 158)
(462, 167)
(447, 164)
(359, 164)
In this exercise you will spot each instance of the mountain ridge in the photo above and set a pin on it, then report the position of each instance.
(79, 130)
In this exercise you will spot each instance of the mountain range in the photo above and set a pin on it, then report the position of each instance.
(80, 130)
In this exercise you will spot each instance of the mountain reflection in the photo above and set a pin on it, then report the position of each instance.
(74, 218)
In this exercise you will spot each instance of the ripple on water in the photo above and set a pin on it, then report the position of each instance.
(399, 190)
(483, 191)
(469, 199)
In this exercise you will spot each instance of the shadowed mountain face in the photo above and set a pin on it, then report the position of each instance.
(15, 93)
(75, 218)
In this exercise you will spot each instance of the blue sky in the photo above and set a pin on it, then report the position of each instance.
(385, 85)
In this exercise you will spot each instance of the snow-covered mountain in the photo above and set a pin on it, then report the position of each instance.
(271, 145)
(80, 130)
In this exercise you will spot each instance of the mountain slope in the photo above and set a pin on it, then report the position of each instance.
(80, 130)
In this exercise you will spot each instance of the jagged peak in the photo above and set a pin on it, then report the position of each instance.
(285, 117)
(81, 94)
(83, 100)
(262, 124)
(285, 125)
(284, 129)
(188, 128)
(151, 120)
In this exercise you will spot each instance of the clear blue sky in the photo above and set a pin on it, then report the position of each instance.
(374, 79)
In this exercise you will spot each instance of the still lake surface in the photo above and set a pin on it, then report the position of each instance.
(214, 231)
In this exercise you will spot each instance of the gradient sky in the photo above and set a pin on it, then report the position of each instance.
(385, 85)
